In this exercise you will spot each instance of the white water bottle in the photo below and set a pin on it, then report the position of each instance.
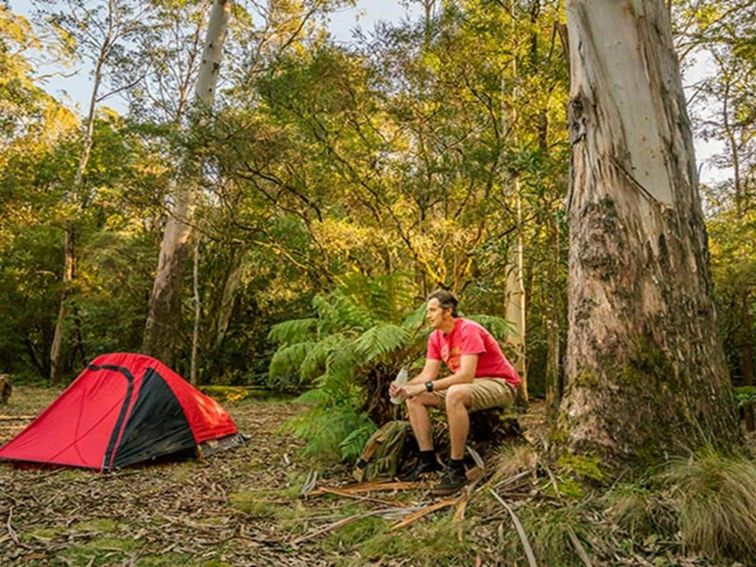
(400, 380)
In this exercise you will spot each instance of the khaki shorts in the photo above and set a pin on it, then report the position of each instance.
(486, 393)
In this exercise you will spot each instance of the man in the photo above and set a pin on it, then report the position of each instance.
(481, 378)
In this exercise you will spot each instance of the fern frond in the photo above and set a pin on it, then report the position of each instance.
(350, 313)
(288, 359)
(314, 363)
(313, 397)
(326, 427)
(294, 331)
(497, 326)
(414, 321)
(351, 446)
(381, 339)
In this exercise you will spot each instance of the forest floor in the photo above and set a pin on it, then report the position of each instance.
(246, 507)
(238, 507)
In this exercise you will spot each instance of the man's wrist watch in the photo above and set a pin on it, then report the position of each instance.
(429, 386)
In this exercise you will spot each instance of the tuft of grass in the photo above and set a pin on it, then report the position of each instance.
(641, 511)
(514, 459)
(715, 497)
(259, 504)
(41, 534)
(425, 544)
(355, 533)
(548, 531)
(166, 560)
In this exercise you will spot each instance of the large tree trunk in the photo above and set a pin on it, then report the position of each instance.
(164, 315)
(645, 368)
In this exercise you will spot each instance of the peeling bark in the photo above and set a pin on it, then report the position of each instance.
(645, 370)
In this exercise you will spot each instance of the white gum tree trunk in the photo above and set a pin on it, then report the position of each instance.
(645, 369)
(164, 313)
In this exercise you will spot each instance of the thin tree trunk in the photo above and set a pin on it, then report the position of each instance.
(56, 349)
(553, 354)
(197, 313)
(646, 371)
(515, 310)
(227, 300)
(69, 262)
(164, 314)
(516, 301)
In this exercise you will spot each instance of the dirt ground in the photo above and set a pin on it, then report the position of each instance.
(238, 507)
(164, 514)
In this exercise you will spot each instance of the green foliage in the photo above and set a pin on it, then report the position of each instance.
(327, 428)
(349, 356)
(716, 503)
(745, 395)
(430, 543)
(548, 531)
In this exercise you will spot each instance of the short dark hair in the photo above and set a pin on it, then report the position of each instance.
(446, 299)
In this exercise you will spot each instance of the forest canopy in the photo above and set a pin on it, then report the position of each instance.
(431, 151)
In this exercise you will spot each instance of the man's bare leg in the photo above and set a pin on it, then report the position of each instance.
(417, 408)
(458, 399)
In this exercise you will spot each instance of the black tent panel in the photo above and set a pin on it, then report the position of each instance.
(157, 425)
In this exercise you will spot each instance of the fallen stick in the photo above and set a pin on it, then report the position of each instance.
(343, 522)
(346, 494)
(16, 417)
(373, 487)
(423, 512)
(579, 547)
(12, 533)
(459, 514)
(520, 530)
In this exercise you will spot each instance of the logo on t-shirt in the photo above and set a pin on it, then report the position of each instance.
(451, 358)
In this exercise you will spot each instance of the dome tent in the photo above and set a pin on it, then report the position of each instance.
(123, 409)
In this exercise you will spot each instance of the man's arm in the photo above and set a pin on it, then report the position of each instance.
(429, 372)
(468, 364)
(465, 375)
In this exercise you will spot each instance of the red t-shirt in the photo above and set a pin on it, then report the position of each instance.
(468, 337)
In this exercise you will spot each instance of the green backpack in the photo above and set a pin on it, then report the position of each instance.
(384, 452)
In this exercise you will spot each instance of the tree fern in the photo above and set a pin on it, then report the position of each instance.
(288, 359)
(351, 446)
(362, 334)
(314, 362)
(294, 331)
(381, 339)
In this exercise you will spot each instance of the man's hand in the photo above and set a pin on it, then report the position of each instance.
(412, 390)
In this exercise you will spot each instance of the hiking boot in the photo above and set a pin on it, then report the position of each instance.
(452, 481)
(421, 469)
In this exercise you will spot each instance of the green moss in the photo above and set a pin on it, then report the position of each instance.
(586, 378)
(98, 525)
(100, 551)
(581, 466)
(167, 560)
(42, 534)
(260, 504)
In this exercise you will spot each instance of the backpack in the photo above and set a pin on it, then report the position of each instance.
(384, 453)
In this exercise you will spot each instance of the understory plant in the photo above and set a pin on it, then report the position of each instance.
(346, 355)
(360, 337)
